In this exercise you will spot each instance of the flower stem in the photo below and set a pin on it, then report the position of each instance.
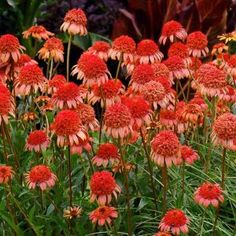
(69, 176)
(183, 182)
(68, 58)
(118, 67)
(126, 183)
(51, 69)
(215, 222)
(150, 169)
(223, 168)
(202, 221)
(164, 182)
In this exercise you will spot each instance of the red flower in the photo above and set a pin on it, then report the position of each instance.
(224, 131)
(101, 49)
(140, 110)
(6, 174)
(197, 44)
(175, 221)
(123, 48)
(75, 22)
(161, 233)
(38, 32)
(6, 104)
(117, 121)
(148, 52)
(68, 128)
(52, 49)
(30, 79)
(171, 30)
(141, 75)
(161, 70)
(166, 149)
(10, 48)
(107, 93)
(218, 48)
(209, 194)
(41, 176)
(188, 154)
(177, 67)
(87, 116)
(67, 96)
(103, 186)
(155, 94)
(231, 65)
(37, 141)
(55, 83)
(209, 80)
(168, 118)
(103, 215)
(91, 69)
(106, 153)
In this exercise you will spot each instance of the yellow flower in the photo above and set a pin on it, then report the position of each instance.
(228, 37)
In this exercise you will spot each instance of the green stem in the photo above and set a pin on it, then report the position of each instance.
(68, 59)
(69, 176)
(4, 145)
(126, 183)
(164, 182)
(150, 169)
(223, 168)
(214, 233)
(118, 67)
(202, 221)
(183, 182)
(51, 69)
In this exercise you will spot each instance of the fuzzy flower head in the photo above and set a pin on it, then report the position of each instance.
(6, 104)
(140, 110)
(103, 186)
(56, 81)
(107, 153)
(148, 52)
(29, 80)
(168, 118)
(224, 131)
(52, 49)
(209, 80)
(37, 141)
(107, 93)
(67, 96)
(171, 30)
(141, 75)
(155, 94)
(23, 61)
(101, 49)
(209, 194)
(123, 48)
(117, 121)
(197, 44)
(177, 67)
(87, 116)
(40, 176)
(6, 174)
(10, 48)
(166, 149)
(161, 69)
(231, 65)
(75, 22)
(38, 32)
(91, 69)
(188, 155)
(68, 127)
(174, 221)
(103, 215)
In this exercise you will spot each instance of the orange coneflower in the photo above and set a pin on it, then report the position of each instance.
(40, 176)
(6, 174)
(103, 186)
(175, 221)
(10, 48)
(166, 149)
(75, 22)
(103, 215)
(101, 49)
(209, 194)
(52, 49)
(171, 30)
(148, 52)
(37, 141)
(117, 121)
(68, 128)
(188, 155)
(38, 32)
